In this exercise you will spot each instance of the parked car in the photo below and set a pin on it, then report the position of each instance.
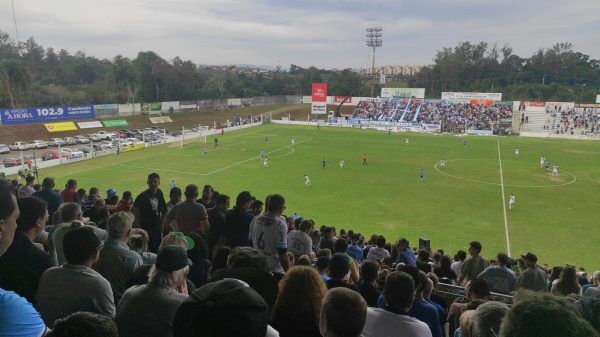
(71, 151)
(10, 162)
(82, 139)
(175, 133)
(4, 148)
(19, 146)
(106, 134)
(39, 144)
(56, 142)
(70, 141)
(93, 137)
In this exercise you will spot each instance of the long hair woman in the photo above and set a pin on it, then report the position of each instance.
(298, 307)
(567, 283)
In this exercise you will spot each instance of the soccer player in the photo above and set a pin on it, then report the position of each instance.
(389, 132)
(406, 141)
(517, 152)
(422, 174)
(542, 162)
(266, 138)
(548, 166)
(293, 141)
(511, 201)
(365, 159)
(307, 180)
(203, 151)
(342, 162)
(216, 142)
(266, 162)
(172, 184)
(262, 153)
(323, 162)
(465, 143)
(555, 170)
(442, 162)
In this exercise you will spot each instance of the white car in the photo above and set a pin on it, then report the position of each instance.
(82, 139)
(94, 137)
(70, 141)
(4, 148)
(106, 134)
(71, 152)
(56, 142)
(20, 146)
(39, 144)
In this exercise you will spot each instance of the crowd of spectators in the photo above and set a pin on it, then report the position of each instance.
(202, 268)
(453, 117)
(580, 121)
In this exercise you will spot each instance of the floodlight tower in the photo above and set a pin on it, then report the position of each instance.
(374, 40)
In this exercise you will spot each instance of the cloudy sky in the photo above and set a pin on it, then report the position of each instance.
(325, 33)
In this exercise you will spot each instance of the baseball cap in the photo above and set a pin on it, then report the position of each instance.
(188, 240)
(111, 192)
(171, 258)
(224, 308)
(119, 224)
(529, 257)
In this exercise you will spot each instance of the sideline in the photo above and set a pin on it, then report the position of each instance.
(503, 198)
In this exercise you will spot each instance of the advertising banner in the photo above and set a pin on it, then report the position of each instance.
(319, 99)
(46, 114)
(234, 101)
(468, 96)
(127, 109)
(345, 99)
(106, 106)
(132, 147)
(403, 92)
(166, 106)
(111, 123)
(151, 106)
(597, 98)
(62, 126)
(158, 120)
(89, 125)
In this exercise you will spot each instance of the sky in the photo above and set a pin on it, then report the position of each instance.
(325, 33)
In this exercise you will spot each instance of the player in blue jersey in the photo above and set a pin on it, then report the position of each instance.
(323, 162)
(172, 184)
(422, 174)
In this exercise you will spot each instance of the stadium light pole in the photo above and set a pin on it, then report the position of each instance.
(373, 41)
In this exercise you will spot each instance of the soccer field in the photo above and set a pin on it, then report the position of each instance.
(556, 218)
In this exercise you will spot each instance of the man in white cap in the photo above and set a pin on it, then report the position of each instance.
(117, 262)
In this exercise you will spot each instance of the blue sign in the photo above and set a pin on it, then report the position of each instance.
(46, 114)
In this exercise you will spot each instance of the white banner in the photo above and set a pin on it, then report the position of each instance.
(166, 106)
(468, 96)
(234, 101)
(89, 125)
(403, 92)
(597, 98)
(319, 108)
(188, 106)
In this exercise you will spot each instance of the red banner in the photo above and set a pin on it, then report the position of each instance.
(538, 104)
(481, 102)
(345, 99)
(319, 92)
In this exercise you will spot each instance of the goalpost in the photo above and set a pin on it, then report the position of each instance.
(188, 136)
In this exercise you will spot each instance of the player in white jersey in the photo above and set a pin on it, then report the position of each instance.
(406, 141)
(203, 151)
(442, 163)
(293, 141)
(542, 161)
(307, 180)
(511, 201)
(555, 170)
(517, 152)
(266, 162)
(342, 162)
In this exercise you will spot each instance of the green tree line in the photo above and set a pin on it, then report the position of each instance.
(31, 75)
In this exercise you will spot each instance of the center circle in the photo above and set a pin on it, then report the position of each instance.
(436, 167)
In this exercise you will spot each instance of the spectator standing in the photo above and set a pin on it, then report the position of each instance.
(23, 264)
(367, 286)
(149, 208)
(187, 216)
(117, 263)
(339, 272)
(174, 198)
(594, 290)
(74, 286)
(298, 307)
(343, 313)
(237, 221)
(499, 277)
(208, 194)
(474, 265)
(69, 194)
(149, 309)
(51, 198)
(268, 234)
(17, 316)
(423, 261)
(405, 253)
(532, 278)
(354, 249)
(378, 253)
(27, 189)
(216, 219)
(256, 207)
(298, 240)
(567, 283)
(459, 259)
(444, 272)
(398, 294)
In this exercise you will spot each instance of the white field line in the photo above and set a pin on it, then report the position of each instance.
(215, 171)
(503, 198)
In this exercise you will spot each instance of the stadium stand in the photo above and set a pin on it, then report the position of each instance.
(416, 291)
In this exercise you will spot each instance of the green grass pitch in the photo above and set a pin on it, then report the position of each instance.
(556, 218)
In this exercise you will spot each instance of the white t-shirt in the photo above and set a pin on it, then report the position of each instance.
(382, 323)
(269, 234)
(299, 243)
(376, 253)
(455, 266)
(25, 191)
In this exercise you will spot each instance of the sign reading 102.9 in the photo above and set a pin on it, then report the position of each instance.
(46, 114)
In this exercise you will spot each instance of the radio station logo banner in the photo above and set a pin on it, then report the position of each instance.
(469, 96)
(46, 114)
(319, 99)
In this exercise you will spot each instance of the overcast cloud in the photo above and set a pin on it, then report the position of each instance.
(322, 33)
